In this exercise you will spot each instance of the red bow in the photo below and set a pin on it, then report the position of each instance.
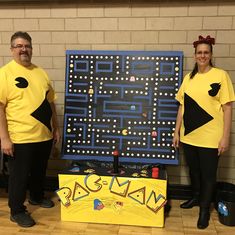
(207, 40)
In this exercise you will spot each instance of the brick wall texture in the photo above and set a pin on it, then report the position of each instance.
(128, 25)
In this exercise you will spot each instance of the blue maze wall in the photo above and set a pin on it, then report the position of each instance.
(124, 101)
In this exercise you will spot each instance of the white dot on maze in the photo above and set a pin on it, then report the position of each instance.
(113, 147)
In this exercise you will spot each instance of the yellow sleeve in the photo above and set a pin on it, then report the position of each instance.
(226, 90)
(3, 87)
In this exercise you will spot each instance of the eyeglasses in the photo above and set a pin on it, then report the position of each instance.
(20, 46)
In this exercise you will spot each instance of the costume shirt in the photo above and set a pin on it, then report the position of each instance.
(26, 94)
(202, 98)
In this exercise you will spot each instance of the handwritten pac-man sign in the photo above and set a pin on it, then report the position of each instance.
(112, 199)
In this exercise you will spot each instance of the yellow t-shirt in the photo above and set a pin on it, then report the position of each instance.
(26, 94)
(202, 98)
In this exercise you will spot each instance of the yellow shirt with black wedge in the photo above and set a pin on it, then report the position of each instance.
(202, 98)
(26, 93)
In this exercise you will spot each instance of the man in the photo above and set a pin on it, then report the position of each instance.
(27, 111)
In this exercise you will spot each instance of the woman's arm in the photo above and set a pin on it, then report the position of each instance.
(176, 137)
(224, 142)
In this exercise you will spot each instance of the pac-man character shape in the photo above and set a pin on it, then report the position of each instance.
(215, 87)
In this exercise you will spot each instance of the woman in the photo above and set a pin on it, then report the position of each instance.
(203, 125)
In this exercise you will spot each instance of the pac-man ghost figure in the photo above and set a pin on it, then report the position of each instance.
(98, 205)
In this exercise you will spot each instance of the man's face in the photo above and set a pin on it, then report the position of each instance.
(22, 51)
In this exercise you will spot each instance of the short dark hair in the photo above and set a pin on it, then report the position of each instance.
(21, 34)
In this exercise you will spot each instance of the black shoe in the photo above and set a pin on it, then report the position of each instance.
(203, 220)
(23, 219)
(190, 203)
(45, 203)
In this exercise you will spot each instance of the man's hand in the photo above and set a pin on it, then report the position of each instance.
(7, 146)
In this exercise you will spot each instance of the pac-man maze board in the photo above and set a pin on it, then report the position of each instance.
(124, 101)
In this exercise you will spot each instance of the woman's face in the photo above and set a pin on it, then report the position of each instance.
(203, 55)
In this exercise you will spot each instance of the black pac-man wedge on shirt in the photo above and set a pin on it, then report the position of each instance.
(194, 115)
(214, 89)
(21, 82)
(43, 113)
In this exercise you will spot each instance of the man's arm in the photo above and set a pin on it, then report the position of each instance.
(6, 143)
(55, 126)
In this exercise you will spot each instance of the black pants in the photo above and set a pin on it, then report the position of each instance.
(27, 169)
(203, 164)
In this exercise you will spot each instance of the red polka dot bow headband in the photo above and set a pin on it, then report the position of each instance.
(207, 40)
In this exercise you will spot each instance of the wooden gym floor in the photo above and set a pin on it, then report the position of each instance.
(178, 222)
